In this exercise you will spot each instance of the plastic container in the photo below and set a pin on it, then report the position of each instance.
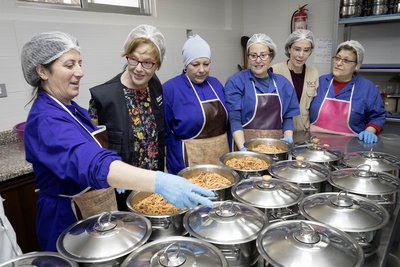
(19, 130)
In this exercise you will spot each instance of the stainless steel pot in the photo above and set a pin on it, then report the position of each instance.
(349, 11)
(280, 144)
(309, 176)
(176, 251)
(358, 216)
(221, 194)
(105, 239)
(349, 2)
(40, 259)
(231, 226)
(380, 187)
(244, 174)
(308, 243)
(378, 9)
(278, 199)
(162, 225)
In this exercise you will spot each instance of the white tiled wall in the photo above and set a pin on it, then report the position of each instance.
(220, 22)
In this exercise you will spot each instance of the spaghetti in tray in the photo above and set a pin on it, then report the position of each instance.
(247, 163)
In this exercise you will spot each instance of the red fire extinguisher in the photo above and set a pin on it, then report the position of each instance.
(299, 19)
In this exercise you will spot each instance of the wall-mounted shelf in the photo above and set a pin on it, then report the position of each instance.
(370, 19)
(383, 68)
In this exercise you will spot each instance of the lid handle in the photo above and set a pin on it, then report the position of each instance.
(172, 256)
(226, 209)
(342, 200)
(102, 226)
(361, 171)
(306, 234)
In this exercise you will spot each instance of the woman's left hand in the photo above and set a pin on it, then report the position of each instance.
(367, 137)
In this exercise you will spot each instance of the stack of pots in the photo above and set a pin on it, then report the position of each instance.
(358, 216)
(307, 243)
(350, 8)
(309, 176)
(105, 239)
(379, 7)
(244, 174)
(40, 259)
(231, 226)
(280, 144)
(277, 199)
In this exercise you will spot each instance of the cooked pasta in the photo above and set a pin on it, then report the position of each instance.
(210, 180)
(155, 204)
(268, 149)
(247, 163)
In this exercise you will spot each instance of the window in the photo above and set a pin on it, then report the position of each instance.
(133, 7)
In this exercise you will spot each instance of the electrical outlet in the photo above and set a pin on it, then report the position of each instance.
(3, 91)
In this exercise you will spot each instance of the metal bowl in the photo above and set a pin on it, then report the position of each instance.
(282, 145)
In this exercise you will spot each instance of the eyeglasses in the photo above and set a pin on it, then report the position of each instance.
(145, 64)
(345, 61)
(263, 56)
(298, 50)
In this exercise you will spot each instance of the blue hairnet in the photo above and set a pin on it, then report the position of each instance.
(195, 47)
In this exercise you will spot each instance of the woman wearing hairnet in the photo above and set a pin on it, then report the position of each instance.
(60, 143)
(353, 101)
(304, 77)
(260, 103)
(130, 104)
(195, 114)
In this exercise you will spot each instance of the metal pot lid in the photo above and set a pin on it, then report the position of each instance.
(316, 153)
(104, 237)
(349, 213)
(378, 161)
(268, 194)
(308, 243)
(40, 259)
(299, 171)
(176, 251)
(361, 181)
(227, 223)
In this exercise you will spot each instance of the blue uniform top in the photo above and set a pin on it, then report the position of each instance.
(66, 160)
(239, 96)
(366, 107)
(183, 114)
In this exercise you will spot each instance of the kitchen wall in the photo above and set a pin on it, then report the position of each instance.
(220, 22)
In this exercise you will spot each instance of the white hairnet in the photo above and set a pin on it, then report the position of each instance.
(148, 32)
(359, 50)
(261, 38)
(195, 47)
(43, 49)
(297, 36)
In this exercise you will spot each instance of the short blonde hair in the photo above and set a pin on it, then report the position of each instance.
(131, 46)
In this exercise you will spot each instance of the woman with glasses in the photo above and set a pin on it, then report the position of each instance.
(304, 77)
(130, 104)
(346, 103)
(195, 115)
(260, 103)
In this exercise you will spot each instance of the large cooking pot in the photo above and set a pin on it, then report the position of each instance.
(105, 239)
(280, 145)
(50, 259)
(317, 153)
(358, 216)
(306, 243)
(377, 161)
(221, 194)
(380, 187)
(278, 199)
(162, 225)
(244, 174)
(231, 226)
(309, 176)
(176, 251)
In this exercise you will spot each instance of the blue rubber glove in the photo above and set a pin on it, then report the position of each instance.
(288, 139)
(243, 148)
(120, 190)
(367, 137)
(180, 192)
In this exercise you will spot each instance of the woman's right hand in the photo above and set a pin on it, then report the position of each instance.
(180, 192)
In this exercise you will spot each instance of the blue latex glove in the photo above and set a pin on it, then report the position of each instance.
(180, 192)
(288, 139)
(120, 190)
(367, 137)
(243, 148)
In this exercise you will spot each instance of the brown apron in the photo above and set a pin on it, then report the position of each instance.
(212, 142)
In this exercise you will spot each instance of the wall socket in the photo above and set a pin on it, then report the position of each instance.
(3, 91)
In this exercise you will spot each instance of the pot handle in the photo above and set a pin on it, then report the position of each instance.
(161, 224)
(231, 253)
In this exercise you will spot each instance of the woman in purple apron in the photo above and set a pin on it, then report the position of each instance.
(260, 103)
(195, 115)
(347, 104)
